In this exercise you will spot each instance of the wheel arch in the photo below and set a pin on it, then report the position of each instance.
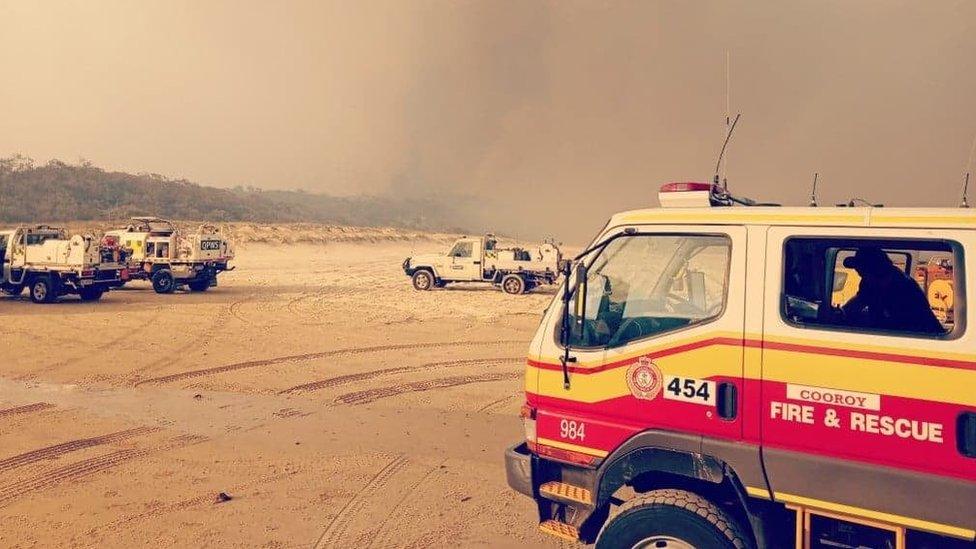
(429, 268)
(660, 459)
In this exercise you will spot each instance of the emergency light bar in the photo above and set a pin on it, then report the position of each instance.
(688, 194)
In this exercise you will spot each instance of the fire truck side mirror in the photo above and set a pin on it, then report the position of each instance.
(579, 303)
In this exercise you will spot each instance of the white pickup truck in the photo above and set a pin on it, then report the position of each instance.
(50, 264)
(480, 259)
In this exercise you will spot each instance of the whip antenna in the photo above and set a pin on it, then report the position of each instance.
(965, 193)
(969, 168)
(721, 154)
(813, 192)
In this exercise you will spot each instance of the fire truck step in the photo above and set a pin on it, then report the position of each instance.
(566, 493)
(560, 530)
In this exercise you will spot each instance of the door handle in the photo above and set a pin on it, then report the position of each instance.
(727, 401)
(966, 434)
(477, 263)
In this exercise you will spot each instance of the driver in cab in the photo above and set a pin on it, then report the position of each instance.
(887, 298)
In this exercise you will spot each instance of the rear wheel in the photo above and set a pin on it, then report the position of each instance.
(423, 280)
(44, 289)
(91, 294)
(163, 281)
(199, 285)
(513, 284)
(674, 519)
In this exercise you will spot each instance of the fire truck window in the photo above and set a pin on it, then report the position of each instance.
(644, 285)
(888, 286)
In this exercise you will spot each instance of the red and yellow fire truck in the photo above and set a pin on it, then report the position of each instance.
(697, 384)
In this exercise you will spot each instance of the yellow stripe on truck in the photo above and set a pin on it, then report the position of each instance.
(951, 385)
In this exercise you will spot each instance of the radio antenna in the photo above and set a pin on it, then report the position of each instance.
(969, 168)
(813, 192)
(728, 109)
(721, 153)
(965, 193)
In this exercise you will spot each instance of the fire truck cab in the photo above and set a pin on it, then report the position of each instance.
(703, 381)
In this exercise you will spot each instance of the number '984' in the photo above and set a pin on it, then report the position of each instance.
(572, 430)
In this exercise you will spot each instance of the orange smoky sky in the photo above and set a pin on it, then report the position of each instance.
(554, 114)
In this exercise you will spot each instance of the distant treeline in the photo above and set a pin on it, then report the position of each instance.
(57, 191)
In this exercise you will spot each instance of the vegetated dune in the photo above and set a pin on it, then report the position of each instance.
(243, 233)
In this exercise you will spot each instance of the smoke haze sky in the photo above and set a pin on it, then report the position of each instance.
(557, 113)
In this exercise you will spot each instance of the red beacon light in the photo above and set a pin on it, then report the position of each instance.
(686, 195)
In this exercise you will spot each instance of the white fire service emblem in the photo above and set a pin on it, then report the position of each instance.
(644, 379)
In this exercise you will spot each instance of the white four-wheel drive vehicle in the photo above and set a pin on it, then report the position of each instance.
(170, 258)
(50, 264)
(481, 259)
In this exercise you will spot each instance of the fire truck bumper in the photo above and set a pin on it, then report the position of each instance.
(518, 469)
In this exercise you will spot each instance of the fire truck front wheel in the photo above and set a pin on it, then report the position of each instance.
(163, 281)
(44, 289)
(674, 519)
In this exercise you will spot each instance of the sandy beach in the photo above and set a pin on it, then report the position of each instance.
(333, 404)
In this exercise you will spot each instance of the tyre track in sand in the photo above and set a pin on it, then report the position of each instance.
(372, 395)
(205, 337)
(86, 468)
(127, 334)
(188, 503)
(382, 534)
(363, 376)
(319, 355)
(58, 450)
(26, 409)
(336, 529)
(497, 403)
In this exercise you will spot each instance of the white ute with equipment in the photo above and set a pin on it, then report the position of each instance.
(49, 264)
(164, 255)
(480, 259)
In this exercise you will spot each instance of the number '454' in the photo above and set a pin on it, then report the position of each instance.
(690, 389)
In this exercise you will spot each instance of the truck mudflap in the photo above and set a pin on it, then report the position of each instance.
(518, 469)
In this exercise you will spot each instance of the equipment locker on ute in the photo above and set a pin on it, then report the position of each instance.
(710, 378)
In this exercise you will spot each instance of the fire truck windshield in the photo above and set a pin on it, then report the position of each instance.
(647, 284)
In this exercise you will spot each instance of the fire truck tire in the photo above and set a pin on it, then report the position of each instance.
(199, 285)
(673, 519)
(513, 284)
(163, 281)
(423, 280)
(44, 289)
(91, 294)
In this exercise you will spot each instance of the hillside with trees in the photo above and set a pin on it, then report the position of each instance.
(58, 192)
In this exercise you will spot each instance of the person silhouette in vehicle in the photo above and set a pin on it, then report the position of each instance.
(887, 298)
